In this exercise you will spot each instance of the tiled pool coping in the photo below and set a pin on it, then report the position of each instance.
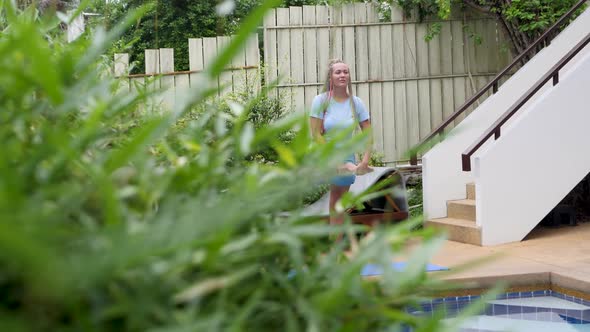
(452, 305)
(528, 282)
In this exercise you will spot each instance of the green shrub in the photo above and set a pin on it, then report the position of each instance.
(115, 220)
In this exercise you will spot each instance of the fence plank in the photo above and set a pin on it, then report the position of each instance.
(152, 84)
(181, 85)
(372, 12)
(253, 59)
(310, 71)
(137, 85)
(121, 69)
(323, 39)
(422, 53)
(401, 118)
(270, 49)
(195, 61)
(389, 151)
(411, 85)
(335, 13)
(362, 53)
(434, 68)
(387, 92)
(375, 73)
(225, 78)
(121, 64)
(209, 54)
(283, 55)
(446, 48)
(152, 61)
(348, 37)
(397, 14)
(298, 93)
(238, 76)
(167, 82)
(458, 36)
(493, 40)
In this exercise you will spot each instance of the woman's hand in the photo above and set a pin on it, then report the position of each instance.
(363, 168)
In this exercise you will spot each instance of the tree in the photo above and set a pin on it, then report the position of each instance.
(523, 21)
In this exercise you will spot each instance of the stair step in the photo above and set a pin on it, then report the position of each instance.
(459, 230)
(461, 209)
(471, 190)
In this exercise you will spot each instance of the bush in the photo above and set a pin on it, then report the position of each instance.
(114, 220)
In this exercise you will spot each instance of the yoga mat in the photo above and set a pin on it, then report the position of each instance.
(374, 270)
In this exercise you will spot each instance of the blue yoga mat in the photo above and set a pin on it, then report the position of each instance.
(374, 270)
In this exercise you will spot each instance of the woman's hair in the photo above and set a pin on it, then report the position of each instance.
(329, 89)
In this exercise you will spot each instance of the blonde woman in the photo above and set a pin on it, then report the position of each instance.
(337, 109)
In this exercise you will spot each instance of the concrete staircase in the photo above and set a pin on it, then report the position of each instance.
(460, 223)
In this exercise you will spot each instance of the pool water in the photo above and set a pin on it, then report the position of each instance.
(539, 311)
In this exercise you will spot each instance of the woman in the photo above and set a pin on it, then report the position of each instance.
(337, 109)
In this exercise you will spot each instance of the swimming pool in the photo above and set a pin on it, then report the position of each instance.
(536, 311)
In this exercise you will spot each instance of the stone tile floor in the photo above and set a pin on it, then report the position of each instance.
(554, 254)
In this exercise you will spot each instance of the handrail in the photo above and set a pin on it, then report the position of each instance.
(493, 83)
(495, 128)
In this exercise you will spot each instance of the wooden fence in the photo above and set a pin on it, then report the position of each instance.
(160, 74)
(409, 85)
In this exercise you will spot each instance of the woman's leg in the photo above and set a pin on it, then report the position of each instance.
(336, 193)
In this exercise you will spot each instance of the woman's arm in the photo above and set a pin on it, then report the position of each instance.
(366, 125)
(316, 129)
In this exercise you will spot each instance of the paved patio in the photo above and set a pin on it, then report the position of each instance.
(555, 257)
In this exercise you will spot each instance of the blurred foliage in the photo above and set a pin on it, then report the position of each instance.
(414, 189)
(116, 216)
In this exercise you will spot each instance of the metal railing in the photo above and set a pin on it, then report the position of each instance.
(495, 128)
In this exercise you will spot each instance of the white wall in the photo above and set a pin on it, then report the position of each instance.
(537, 161)
(443, 178)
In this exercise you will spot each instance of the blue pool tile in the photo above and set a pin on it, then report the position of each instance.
(500, 309)
(577, 314)
(569, 298)
(559, 315)
(539, 293)
(586, 303)
(502, 296)
(586, 315)
(463, 299)
(513, 295)
(559, 295)
(438, 306)
(578, 300)
(450, 299)
(489, 310)
(526, 310)
(437, 300)
(474, 297)
(426, 306)
(526, 294)
(514, 309)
